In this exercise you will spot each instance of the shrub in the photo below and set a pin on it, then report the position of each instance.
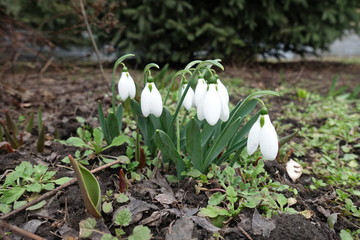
(235, 29)
(176, 31)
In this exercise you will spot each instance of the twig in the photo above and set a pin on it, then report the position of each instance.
(20, 231)
(245, 233)
(48, 194)
(92, 38)
(45, 67)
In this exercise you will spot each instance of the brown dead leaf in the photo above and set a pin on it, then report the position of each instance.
(166, 199)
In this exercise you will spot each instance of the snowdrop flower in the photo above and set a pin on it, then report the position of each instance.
(126, 85)
(263, 133)
(214, 103)
(151, 99)
(189, 100)
(211, 105)
(224, 95)
(200, 91)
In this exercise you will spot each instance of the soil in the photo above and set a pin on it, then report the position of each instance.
(71, 93)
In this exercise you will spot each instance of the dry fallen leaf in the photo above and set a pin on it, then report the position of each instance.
(293, 169)
(307, 213)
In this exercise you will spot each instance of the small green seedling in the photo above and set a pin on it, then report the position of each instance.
(94, 145)
(140, 232)
(26, 180)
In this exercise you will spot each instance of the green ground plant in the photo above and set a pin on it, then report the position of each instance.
(94, 145)
(243, 186)
(330, 126)
(27, 181)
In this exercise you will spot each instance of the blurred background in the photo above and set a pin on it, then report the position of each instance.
(43, 33)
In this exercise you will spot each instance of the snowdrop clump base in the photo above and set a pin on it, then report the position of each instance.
(209, 135)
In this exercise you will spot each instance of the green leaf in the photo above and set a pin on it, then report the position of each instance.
(252, 201)
(166, 146)
(258, 169)
(12, 195)
(48, 186)
(231, 194)
(11, 178)
(140, 233)
(30, 124)
(47, 176)
(286, 139)
(281, 199)
(77, 142)
(41, 140)
(345, 235)
(86, 227)
(108, 237)
(260, 94)
(25, 168)
(18, 204)
(194, 173)
(89, 186)
(342, 195)
(207, 132)
(37, 206)
(98, 137)
(213, 211)
(62, 180)
(103, 125)
(39, 116)
(35, 187)
(193, 144)
(39, 171)
(216, 199)
(112, 125)
(107, 207)
(117, 141)
(220, 142)
(122, 217)
(121, 198)
(119, 115)
(4, 208)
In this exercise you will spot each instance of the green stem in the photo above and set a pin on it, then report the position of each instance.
(262, 103)
(137, 146)
(177, 74)
(177, 135)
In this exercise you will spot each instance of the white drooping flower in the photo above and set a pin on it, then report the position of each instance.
(189, 100)
(200, 91)
(151, 102)
(214, 103)
(211, 105)
(126, 85)
(293, 169)
(224, 95)
(263, 133)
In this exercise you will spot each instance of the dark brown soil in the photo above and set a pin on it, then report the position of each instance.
(71, 93)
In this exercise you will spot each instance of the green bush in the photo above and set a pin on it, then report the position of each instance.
(234, 29)
(179, 31)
